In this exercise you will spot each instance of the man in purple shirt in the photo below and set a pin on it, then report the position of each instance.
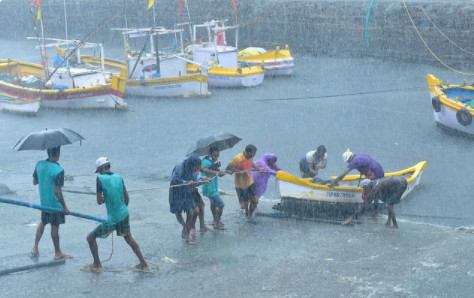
(363, 163)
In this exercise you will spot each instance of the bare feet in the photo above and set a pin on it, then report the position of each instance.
(141, 268)
(206, 229)
(373, 221)
(34, 253)
(62, 256)
(92, 268)
(189, 241)
(347, 221)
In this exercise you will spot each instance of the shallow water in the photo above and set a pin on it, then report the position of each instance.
(275, 257)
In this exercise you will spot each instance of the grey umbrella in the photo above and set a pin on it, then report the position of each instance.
(47, 138)
(222, 140)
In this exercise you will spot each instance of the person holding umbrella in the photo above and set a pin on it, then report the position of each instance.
(242, 165)
(49, 176)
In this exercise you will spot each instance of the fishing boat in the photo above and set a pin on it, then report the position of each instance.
(453, 105)
(224, 70)
(152, 72)
(302, 197)
(275, 63)
(9, 103)
(66, 87)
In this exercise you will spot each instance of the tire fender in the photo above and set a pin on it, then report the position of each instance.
(436, 103)
(464, 117)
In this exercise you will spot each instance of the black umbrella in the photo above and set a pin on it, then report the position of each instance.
(48, 138)
(222, 141)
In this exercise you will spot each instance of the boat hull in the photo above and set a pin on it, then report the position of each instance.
(275, 63)
(185, 86)
(223, 77)
(108, 96)
(303, 197)
(18, 105)
(446, 111)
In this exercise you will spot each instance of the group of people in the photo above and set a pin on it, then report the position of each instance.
(375, 185)
(193, 172)
(250, 180)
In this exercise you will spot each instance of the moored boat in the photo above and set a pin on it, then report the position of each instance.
(275, 63)
(300, 196)
(453, 105)
(224, 70)
(9, 103)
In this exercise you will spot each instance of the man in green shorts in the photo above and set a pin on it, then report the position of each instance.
(50, 178)
(111, 191)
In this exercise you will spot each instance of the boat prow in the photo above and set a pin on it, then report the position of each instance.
(275, 63)
(453, 105)
(14, 104)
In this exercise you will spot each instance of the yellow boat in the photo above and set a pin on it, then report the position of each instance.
(453, 105)
(220, 59)
(67, 88)
(275, 63)
(300, 196)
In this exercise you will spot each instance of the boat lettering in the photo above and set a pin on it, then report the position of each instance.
(335, 194)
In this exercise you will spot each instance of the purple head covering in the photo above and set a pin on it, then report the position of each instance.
(261, 179)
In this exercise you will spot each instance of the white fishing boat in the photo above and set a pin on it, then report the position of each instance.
(276, 63)
(210, 49)
(302, 196)
(453, 105)
(9, 103)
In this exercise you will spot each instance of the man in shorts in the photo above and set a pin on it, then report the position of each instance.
(49, 176)
(111, 191)
(389, 190)
(242, 165)
(210, 168)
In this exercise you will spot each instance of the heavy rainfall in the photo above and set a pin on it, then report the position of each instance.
(359, 81)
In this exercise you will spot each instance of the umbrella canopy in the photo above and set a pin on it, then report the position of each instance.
(48, 138)
(222, 141)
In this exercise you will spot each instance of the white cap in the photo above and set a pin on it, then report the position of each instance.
(101, 161)
(347, 155)
(365, 183)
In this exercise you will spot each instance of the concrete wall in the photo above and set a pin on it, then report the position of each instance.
(321, 28)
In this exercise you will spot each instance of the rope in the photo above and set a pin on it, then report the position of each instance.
(452, 42)
(429, 49)
(342, 94)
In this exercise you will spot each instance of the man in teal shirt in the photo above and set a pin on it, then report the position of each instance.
(111, 191)
(50, 177)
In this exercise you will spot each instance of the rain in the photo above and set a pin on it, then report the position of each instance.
(359, 81)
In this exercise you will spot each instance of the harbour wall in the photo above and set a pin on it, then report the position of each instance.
(319, 28)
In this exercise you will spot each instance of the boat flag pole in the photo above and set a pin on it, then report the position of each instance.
(35, 206)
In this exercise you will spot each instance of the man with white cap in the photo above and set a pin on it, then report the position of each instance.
(111, 191)
(388, 190)
(365, 164)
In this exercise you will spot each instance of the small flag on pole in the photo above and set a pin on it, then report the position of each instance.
(38, 15)
(150, 3)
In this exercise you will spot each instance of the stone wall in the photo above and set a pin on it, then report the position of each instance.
(321, 28)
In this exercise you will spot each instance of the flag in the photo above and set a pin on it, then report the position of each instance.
(180, 11)
(235, 10)
(35, 4)
(150, 3)
(38, 15)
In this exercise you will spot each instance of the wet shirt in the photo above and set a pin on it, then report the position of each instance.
(210, 189)
(244, 179)
(362, 161)
(112, 187)
(384, 188)
(49, 175)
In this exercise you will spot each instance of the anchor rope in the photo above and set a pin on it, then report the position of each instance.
(428, 48)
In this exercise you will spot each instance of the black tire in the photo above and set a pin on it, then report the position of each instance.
(464, 117)
(436, 103)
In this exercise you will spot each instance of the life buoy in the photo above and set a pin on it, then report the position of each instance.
(464, 117)
(436, 103)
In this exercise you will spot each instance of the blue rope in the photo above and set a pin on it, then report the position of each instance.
(367, 23)
(24, 204)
